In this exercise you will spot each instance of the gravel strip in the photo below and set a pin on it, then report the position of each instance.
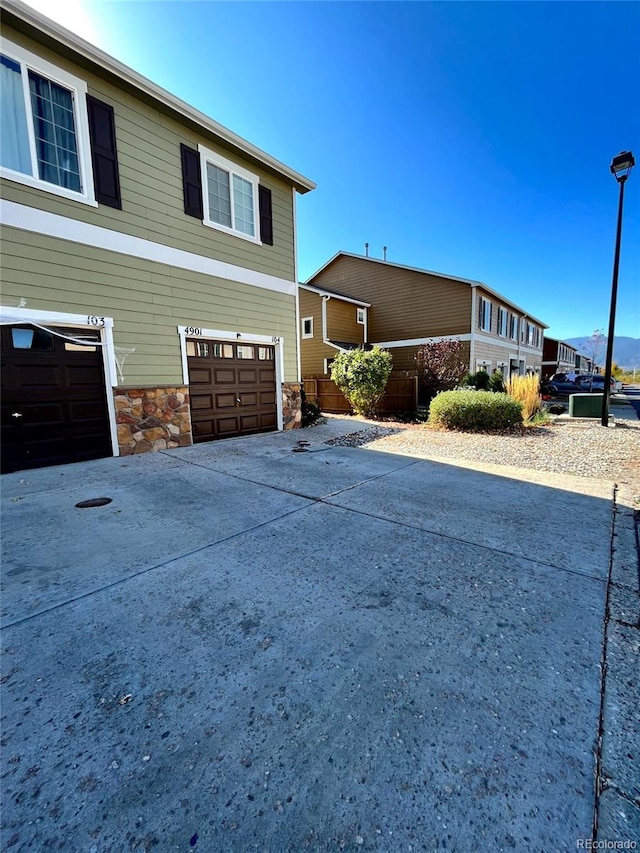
(583, 451)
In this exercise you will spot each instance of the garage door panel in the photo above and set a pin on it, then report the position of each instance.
(247, 377)
(248, 398)
(81, 376)
(222, 376)
(225, 401)
(201, 376)
(239, 389)
(227, 426)
(249, 423)
(37, 376)
(201, 401)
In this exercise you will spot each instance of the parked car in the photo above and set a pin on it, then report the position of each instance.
(564, 387)
(595, 382)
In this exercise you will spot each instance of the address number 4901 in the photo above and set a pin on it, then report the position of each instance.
(193, 330)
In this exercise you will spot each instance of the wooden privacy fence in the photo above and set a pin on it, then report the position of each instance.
(401, 394)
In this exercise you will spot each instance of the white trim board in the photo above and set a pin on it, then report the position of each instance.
(414, 342)
(52, 225)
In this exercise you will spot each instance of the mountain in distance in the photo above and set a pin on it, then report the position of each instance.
(626, 351)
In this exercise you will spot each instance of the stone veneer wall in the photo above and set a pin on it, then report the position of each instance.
(152, 418)
(291, 405)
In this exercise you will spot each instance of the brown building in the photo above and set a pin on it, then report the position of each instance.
(411, 306)
(561, 357)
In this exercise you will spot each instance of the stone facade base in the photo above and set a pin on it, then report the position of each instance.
(291, 405)
(152, 419)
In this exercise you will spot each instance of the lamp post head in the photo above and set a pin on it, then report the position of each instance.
(621, 165)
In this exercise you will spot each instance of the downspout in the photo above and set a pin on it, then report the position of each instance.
(295, 278)
(472, 339)
(325, 299)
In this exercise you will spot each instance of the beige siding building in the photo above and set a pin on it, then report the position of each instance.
(149, 240)
(410, 307)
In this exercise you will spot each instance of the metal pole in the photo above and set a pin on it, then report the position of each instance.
(612, 313)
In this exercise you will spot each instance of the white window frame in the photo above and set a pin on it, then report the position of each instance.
(304, 334)
(360, 316)
(30, 62)
(486, 314)
(209, 156)
(503, 318)
(483, 364)
(327, 369)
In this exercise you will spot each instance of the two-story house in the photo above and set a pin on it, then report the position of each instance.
(561, 357)
(149, 294)
(330, 323)
(411, 307)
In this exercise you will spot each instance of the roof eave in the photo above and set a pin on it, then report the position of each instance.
(104, 61)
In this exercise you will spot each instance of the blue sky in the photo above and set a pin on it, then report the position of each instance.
(469, 138)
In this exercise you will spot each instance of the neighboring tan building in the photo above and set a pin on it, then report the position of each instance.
(411, 306)
(329, 323)
(149, 261)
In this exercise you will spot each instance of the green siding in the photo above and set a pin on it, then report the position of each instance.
(151, 183)
(147, 300)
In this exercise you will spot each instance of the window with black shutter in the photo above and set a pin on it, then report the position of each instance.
(104, 154)
(191, 181)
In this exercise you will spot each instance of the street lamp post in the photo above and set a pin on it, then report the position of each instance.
(620, 168)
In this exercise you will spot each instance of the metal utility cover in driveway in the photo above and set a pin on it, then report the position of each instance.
(222, 660)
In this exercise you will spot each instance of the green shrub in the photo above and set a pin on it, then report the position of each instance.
(496, 382)
(362, 376)
(475, 411)
(480, 380)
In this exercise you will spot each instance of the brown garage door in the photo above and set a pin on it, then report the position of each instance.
(232, 388)
(54, 405)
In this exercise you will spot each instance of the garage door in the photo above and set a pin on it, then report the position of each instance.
(232, 388)
(54, 404)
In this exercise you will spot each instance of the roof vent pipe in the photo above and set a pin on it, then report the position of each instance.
(366, 250)
(384, 253)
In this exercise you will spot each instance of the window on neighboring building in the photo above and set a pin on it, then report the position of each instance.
(483, 365)
(513, 327)
(307, 327)
(230, 196)
(484, 314)
(327, 365)
(360, 316)
(44, 125)
(502, 322)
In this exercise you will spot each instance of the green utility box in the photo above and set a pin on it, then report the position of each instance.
(585, 405)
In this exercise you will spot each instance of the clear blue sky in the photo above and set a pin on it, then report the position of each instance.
(470, 138)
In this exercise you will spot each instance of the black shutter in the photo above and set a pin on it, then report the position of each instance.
(191, 181)
(104, 155)
(266, 215)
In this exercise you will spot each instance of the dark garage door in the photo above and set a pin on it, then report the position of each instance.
(232, 388)
(54, 405)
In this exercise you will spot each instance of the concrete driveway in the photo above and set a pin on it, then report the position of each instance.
(252, 648)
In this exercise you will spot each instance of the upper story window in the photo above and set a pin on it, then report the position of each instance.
(230, 196)
(307, 327)
(484, 314)
(533, 335)
(502, 322)
(513, 327)
(360, 316)
(44, 126)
